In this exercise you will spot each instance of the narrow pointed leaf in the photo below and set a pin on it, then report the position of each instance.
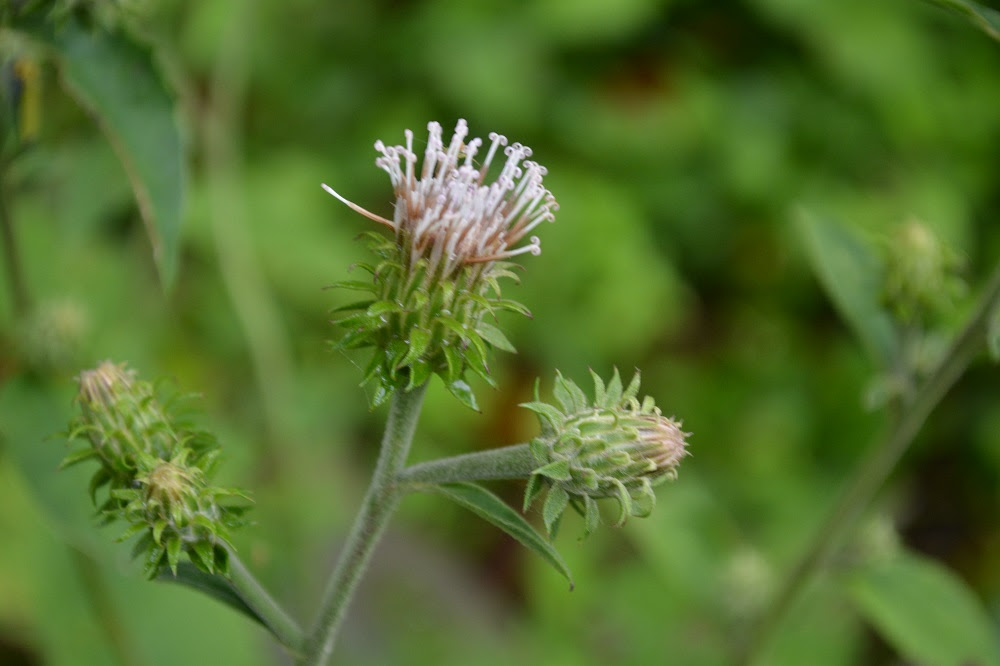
(555, 504)
(852, 277)
(117, 80)
(925, 611)
(461, 390)
(491, 508)
(531, 492)
(212, 585)
(983, 17)
(495, 337)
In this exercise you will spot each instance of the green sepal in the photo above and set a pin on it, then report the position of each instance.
(633, 388)
(495, 337)
(100, 478)
(592, 517)
(357, 285)
(420, 372)
(624, 502)
(357, 305)
(455, 363)
(461, 390)
(536, 484)
(555, 504)
(613, 390)
(512, 306)
(158, 528)
(153, 561)
(557, 471)
(131, 531)
(551, 416)
(77, 457)
(418, 342)
(379, 308)
(599, 394)
(204, 553)
(173, 553)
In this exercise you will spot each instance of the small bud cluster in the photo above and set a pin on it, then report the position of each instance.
(436, 281)
(922, 278)
(156, 469)
(615, 447)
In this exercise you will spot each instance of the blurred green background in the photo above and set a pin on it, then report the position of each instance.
(680, 139)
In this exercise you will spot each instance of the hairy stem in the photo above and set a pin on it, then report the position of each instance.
(379, 503)
(874, 469)
(280, 623)
(509, 462)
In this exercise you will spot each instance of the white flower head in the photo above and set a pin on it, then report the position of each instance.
(446, 210)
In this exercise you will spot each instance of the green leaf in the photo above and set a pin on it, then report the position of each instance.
(419, 341)
(558, 470)
(852, 278)
(925, 611)
(536, 484)
(554, 506)
(212, 585)
(491, 508)
(984, 18)
(495, 337)
(116, 79)
(461, 390)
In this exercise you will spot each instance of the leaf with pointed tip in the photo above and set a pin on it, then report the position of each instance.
(557, 471)
(599, 393)
(851, 274)
(925, 611)
(613, 391)
(536, 484)
(513, 306)
(116, 79)
(461, 390)
(632, 390)
(418, 343)
(553, 509)
(592, 518)
(624, 502)
(495, 337)
(212, 585)
(549, 413)
(356, 285)
(77, 457)
(491, 508)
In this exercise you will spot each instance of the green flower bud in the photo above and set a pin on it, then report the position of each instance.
(156, 469)
(435, 286)
(615, 446)
(922, 278)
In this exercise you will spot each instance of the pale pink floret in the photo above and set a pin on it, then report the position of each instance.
(449, 213)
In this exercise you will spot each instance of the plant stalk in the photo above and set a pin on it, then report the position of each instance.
(280, 623)
(509, 462)
(875, 468)
(379, 503)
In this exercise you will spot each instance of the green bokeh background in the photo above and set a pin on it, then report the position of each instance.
(680, 139)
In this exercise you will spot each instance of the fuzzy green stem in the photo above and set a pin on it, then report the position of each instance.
(280, 623)
(878, 465)
(509, 462)
(379, 503)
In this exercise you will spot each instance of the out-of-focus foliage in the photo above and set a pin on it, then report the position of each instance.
(680, 138)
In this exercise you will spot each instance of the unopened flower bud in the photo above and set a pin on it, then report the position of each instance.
(156, 469)
(615, 446)
(436, 282)
(921, 275)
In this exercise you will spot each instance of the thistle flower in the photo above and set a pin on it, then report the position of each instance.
(453, 234)
(614, 447)
(156, 470)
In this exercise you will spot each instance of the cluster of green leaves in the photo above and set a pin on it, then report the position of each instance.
(422, 323)
(156, 468)
(591, 450)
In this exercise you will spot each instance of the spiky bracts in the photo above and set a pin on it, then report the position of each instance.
(157, 470)
(615, 446)
(436, 282)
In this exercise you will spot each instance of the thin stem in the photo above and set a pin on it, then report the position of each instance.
(379, 503)
(878, 465)
(279, 622)
(509, 462)
(12, 258)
